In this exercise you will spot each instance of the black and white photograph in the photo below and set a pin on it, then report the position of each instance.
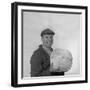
(49, 44)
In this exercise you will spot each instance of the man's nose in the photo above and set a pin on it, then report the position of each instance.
(50, 40)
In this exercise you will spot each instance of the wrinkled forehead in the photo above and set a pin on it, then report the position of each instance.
(47, 35)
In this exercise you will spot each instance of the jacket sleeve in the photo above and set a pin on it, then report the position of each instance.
(36, 66)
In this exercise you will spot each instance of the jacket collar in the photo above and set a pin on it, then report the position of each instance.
(41, 48)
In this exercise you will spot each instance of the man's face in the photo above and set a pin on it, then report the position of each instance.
(47, 40)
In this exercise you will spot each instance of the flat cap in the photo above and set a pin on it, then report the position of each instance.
(47, 31)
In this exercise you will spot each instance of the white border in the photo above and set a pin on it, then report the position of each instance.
(30, 80)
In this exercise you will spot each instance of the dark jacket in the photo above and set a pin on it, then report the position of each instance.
(40, 63)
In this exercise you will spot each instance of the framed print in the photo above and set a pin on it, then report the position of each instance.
(48, 43)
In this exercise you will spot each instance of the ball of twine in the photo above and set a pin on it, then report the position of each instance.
(61, 60)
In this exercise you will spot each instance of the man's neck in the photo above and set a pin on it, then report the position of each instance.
(47, 49)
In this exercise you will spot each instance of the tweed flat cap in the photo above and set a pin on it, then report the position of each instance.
(47, 31)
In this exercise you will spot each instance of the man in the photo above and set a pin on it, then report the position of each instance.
(40, 60)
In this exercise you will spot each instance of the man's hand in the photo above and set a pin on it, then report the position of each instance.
(52, 69)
